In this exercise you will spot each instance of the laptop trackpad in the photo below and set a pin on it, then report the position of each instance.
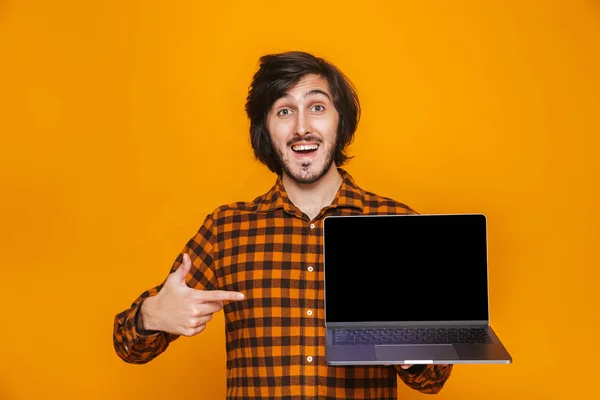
(415, 352)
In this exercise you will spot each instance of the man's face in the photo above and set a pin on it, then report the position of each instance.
(303, 128)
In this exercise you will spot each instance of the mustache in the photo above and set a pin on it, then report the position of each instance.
(308, 138)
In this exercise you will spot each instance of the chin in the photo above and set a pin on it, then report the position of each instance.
(309, 176)
(306, 179)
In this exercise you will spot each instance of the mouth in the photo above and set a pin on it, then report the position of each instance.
(305, 149)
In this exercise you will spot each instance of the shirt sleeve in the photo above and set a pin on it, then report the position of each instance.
(137, 347)
(428, 378)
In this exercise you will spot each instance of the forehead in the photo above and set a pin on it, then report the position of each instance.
(308, 84)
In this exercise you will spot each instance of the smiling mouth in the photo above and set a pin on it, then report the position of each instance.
(305, 148)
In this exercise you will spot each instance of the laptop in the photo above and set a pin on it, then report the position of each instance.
(408, 289)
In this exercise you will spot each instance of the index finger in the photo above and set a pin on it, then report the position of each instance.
(218, 295)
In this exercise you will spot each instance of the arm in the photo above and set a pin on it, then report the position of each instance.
(425, 378)
(132, 342)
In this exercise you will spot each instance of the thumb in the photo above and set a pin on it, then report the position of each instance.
(183, 269)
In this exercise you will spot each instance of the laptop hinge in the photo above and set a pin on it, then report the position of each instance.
(404, 324)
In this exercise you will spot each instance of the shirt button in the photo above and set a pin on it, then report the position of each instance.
(312, 226)
(309, 312)
(309, 359)
(310, 268)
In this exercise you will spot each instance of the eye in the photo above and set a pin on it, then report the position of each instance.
(318, 108)
(284, 112)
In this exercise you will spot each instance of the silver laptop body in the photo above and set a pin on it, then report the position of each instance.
(408, 289)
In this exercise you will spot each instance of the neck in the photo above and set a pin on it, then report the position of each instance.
(311, 198)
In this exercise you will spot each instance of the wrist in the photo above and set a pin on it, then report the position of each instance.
(145, 321)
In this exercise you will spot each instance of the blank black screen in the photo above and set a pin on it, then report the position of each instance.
(406, 268)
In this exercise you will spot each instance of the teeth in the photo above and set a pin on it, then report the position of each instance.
(305, 147)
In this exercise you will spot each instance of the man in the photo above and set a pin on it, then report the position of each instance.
(262, 261)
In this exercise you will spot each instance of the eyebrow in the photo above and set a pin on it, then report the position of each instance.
(311, 93)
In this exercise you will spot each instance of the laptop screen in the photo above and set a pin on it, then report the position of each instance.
(406, 268)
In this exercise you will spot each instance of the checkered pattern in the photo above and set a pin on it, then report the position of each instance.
(269, 250)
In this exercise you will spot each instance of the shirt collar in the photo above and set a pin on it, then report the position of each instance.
(349, 195)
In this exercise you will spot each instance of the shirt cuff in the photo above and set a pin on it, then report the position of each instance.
(134, 336)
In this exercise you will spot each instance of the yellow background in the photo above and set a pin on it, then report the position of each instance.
(122, 126)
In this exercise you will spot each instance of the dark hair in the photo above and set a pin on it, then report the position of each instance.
(276, 74)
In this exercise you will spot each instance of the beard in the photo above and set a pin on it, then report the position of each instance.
(305, 176)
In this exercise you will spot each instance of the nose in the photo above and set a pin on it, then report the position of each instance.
(303, 126)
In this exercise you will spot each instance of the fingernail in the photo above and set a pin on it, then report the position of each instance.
(239, 296)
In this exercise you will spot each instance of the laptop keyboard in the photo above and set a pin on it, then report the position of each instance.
(410, 336)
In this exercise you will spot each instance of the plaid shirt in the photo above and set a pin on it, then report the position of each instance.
(272, 252)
